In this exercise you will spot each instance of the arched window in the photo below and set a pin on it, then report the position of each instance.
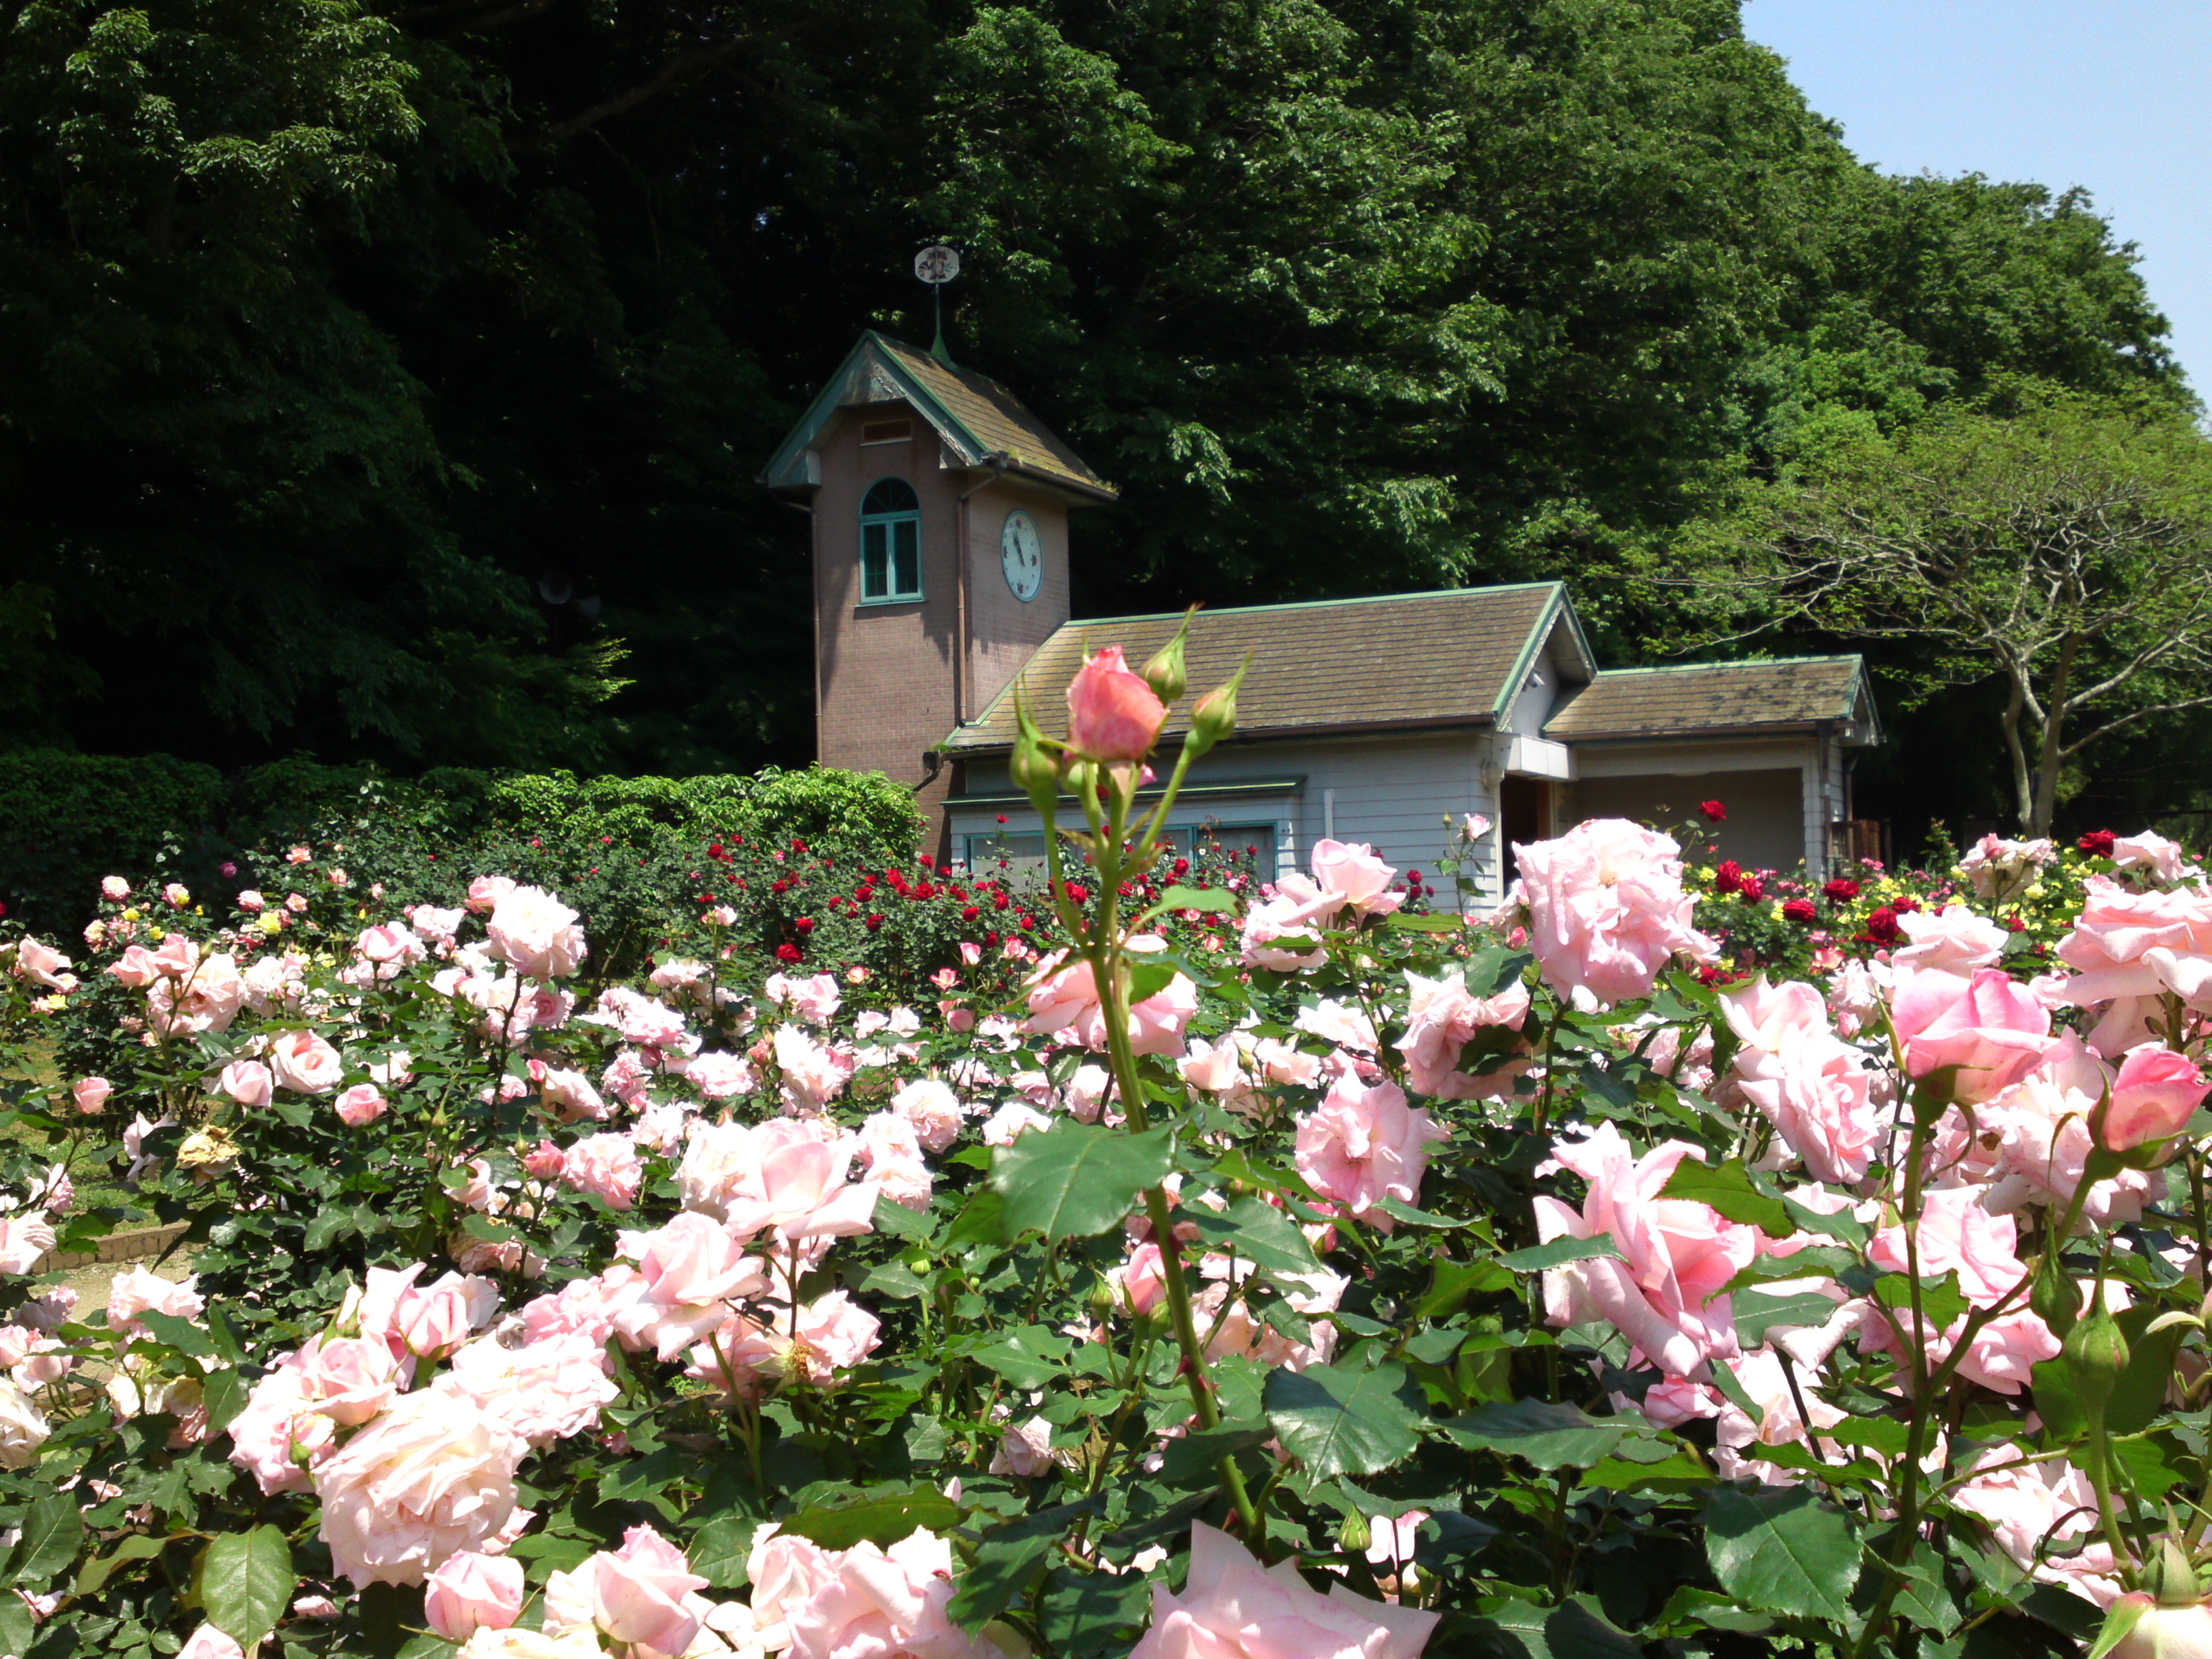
(891, 542)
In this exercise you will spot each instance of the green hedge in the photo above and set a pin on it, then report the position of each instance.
(66, 820)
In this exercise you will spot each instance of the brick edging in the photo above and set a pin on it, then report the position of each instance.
(132, 1244)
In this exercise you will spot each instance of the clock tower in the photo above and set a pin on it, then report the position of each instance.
(939, 506)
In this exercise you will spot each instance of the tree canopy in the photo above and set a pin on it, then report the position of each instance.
(390, 381)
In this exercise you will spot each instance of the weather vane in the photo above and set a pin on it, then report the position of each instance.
(937, 265)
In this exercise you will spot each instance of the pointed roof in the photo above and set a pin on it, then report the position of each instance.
(979, 420)
(1780, 694)
(1398, 662)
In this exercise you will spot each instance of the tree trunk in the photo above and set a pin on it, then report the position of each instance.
(2023, 784)
(2049, 755)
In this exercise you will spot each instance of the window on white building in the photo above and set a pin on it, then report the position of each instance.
(1023, 853)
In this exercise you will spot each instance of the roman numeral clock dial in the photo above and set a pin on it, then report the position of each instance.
(1021, 555)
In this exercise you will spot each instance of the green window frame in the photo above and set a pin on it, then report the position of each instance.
(890, 543)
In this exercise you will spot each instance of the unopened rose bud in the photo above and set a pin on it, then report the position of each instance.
(2169, 1576)
(1164, 673)
(1355, 1536)
(1112, 715)
(1215, 717)
(2054, 1298)
(2156, 1632)
(2096, 1353)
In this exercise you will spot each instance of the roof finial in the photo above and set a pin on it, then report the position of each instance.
(937, 265)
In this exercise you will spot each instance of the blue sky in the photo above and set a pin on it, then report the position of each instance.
(2114, 95)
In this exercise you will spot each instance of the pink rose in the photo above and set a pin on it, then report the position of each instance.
(797, 1185)
(1112, 715)
(1232, 1608)
(1361, 1145)
(814, 1073)
(1283, 933)
(359, 1104)
(544, 1162)
(1663, 1293)
(44, 965)
(1065, 1000)
(136, 968)
(637, 1594)
(208, 1643)
(1953, 938)
(1354, 874)
(933, 1110)
(250, 901)
(91, 1094)
(869, 1600)
(302, 1061)
(2153, 1096)
(1443, 1018)
(1990, 1027)
(178, 955)
(1957, 1233)
(24, 1239)
(570, 1095)
(248, 1082)
(607, 1166)
(114, 888)
(433, 1475)
(348, 1379)
(473, 1591)
(813, 1000)
(534, 933)
(553, 1386)
(2160, 1631)
(429, 1320)
(2044, 1516)
(1606, 910)
(688, 1271)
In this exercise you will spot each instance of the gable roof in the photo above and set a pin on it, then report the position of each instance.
(1409, 661)
(979, 420)
(1699, 699)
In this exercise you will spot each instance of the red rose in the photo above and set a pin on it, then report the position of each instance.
(786, 953)
(1799, 910)
(1904, 904)
(1881, 927)
(873, 923)
(1753, 890)
(1843, 889)
(2098, 843)
(805, 924)
(1715, 812)
(1728, 877)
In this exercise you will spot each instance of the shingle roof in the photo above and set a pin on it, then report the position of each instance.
(998, 420)
(1703, 697)
(1411, 660)
(979, 420)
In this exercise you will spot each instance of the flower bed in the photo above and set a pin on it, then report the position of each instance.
(1203, 1269)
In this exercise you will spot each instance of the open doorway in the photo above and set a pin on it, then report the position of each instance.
(1525, 814)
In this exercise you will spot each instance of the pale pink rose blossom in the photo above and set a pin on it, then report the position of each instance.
(250, 901)
(337, 876)
(114, 888)
(813, 1074)
(2033, 1141)
(1361, 880)
(570, 1095)
(1663, 1294)
(2154, 856)
(90, 1094)
(137, 1290)
(642, 1596)
(1024, 1449)
(137, 967)
(1112, 715)
(296, 903)
(720, 1076)
(1990, 1027)
(176, 895)
(1607, 911)
(1953, 938)
(1443, 1018)
(814, 999)
(534, 933)
(178, 955)
(1997, 869)
(2044, 1516)
(933, 1110)
(486, 891)
(1283, 932)
(1363, 1144)
(42, 964)
(471, 1592)
(1957, 1233)
(1233, 1607)
(1010, 1122)
(361, 1104)
(208, 1643)
(432, 1476)
(788, 1176)
(435, 926)
(1739, 1441)
(544, 1162)
(688, 1270)
(25, 1238)
(890, 1153)
(2153, 1098)
(348, 1379)
(548, 1389)
(1336, 1022)
(1063, 1002)
(427, 1321)
(208, 999)
(303, 1062)
(608, 1167)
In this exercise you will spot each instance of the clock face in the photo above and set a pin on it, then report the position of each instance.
(1021, 555)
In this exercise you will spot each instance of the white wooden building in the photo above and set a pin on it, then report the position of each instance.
(940, 509)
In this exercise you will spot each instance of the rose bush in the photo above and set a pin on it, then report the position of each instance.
(1208, 1267)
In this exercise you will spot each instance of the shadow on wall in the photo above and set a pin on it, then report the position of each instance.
(1765, 824)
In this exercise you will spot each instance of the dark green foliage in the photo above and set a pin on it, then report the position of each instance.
(392, 382)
